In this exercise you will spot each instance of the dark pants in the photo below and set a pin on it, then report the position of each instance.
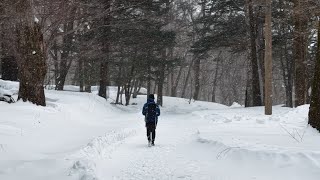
(151, 131)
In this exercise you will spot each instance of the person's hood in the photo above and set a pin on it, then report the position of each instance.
(150, 100)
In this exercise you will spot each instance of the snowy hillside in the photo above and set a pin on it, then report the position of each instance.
(80, 136)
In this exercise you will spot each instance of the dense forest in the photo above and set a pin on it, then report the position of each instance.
(253, 52)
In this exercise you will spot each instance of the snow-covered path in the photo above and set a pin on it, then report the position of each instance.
(190, 147)
(135, 160)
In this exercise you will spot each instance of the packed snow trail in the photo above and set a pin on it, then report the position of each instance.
(143, 162)
(182, 153)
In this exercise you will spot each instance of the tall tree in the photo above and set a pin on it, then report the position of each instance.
(105, 48)
(299, 51)
(65, 50)
(268, 60)
(30, 52)
(314, 110)
(256, 92)
(197, 54)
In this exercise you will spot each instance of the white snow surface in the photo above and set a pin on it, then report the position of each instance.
(80, 136)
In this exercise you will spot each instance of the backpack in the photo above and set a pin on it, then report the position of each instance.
(151, 115)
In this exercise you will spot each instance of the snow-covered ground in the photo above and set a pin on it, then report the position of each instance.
(80, 136)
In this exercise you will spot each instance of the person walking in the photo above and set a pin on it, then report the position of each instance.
(151, 111)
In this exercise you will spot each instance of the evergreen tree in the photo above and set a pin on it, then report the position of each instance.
(314, 110)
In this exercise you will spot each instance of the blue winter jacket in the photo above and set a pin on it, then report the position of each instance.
(145, 110)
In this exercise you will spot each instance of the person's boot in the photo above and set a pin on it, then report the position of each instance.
(152, 143)
(149, 142)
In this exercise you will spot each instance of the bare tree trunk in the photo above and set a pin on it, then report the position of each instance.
(133, 87)
(170, 89)
(286, 63)
(31, 56)
(176, 82)
(2, 35)
(103, 79)
(160, 86)
(118, 94)
(87, 88)
(63, 71)
(191, 93)
(155, 87)
(268, 60)
(56, 58)
(128, 85)
(81, 75)
(314, 110)
(299, 50)
(65, 60)
(119, 83)
(148, 84)
(248, 94)
(197, 64)
(214, 85)
(169, 82)
(104, 63)
(127, 93)
(254, 61)
(290, 65)
(260, 50)
(183, 95)
(88, 71)
(149, 76)
(75, 77)
(121, 93)
(215, 80)
(136, 89)
(286, 66)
